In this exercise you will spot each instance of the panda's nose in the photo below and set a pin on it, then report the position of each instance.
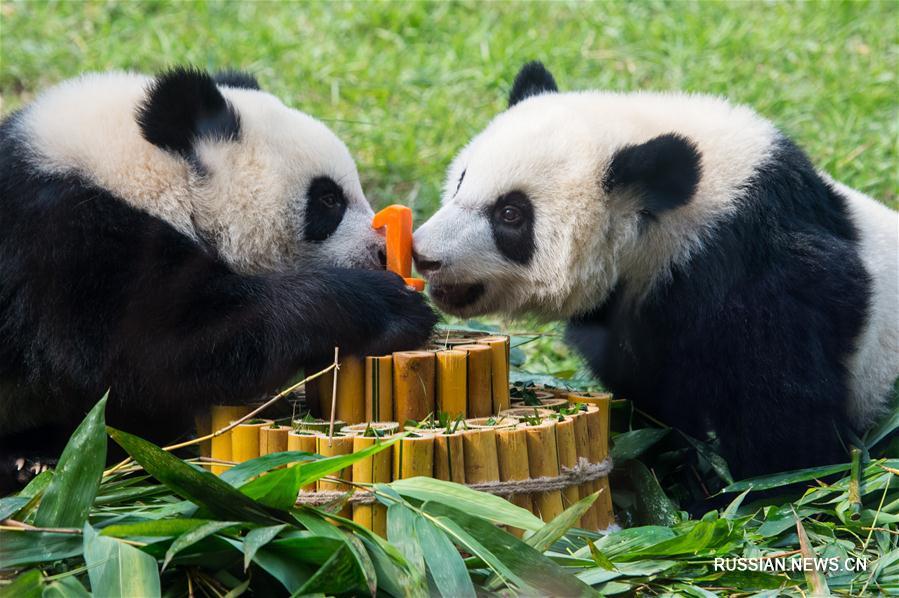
(424, 264)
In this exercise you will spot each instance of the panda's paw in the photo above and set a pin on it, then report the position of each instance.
(401, 318)
(16, 470)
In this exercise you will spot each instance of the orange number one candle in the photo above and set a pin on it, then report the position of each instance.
(397, 220)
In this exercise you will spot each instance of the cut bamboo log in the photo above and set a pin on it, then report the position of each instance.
(331, 447)
(481, 458)
(318, 425)
(512, 453)
(319, 394)
(303, 441)
(372, 470)
(452, 383)
(543, 461)
(566, 445)
(222, 416)
(376, 428)
(598, 430)
(582, 447)
(499, 356)
(590, 398)
(351, 390)
(273, 439)
(526, 412)
(449, 457)
(480, 385)
(203, 426)
(413, 385)
(413, 456)
(379, 388)
(245, 440)
(490, 423)
(555, 404)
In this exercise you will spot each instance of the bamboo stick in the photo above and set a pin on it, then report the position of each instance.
(303, 441)
(499, 347)
(331, 447)
(452, 383)
(222, 416)
(481, 458)
(351, 390)
(413, 385)
(480, 385)
(512, 453)
(567, 449)
(379, 388)
(598, 430)
(372, 470)
(413, 456)
(582, 447)
(273, 439)
(245, 440)
(449, 457)
(543, 461)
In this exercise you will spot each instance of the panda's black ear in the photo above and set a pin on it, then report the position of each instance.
(533, 79)
(183, 105)
(664, 171)
(238, 79)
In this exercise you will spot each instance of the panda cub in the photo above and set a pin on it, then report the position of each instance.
(706, 270)
(179, 240)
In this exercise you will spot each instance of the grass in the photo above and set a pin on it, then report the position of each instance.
(406, 84)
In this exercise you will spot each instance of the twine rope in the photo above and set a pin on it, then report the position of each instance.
(581, 473)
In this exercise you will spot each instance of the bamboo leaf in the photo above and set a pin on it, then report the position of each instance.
(338, 575)
(256, 539)
(277, 489)
(242, 473)
(196, 485)
(29, 584)
(27, 547)
(786, 478)
(815, 579)
(65, 587)
(74, 485)
(193, 536)
(12, 504)
(402, 534)
(547, 535)
(153, 528)
(117, 569)
(653, 504)
(631, 445)
(444, 562)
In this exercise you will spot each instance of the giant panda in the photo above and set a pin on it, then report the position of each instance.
(179, 240)
(705, 269)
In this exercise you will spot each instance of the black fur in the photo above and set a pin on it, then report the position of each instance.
(237, 79)
(533, 79)
(96, 295)
(750, 338)
(665, 171)
(325, 207)
(515, 241)
(184, 105)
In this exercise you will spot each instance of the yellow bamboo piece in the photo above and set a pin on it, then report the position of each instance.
(273, 439)
(351, 390)
(512, 453)
(379, 388)
(480, 385)
(449, 458)
(543, 461)
(413, 456)
(523, 412)
(413, 385)
(222, 416)
(319, 393)
(499, 347)
(245, 440)
(331, 447)
(382, 428)
(491, 422)
(555, 404)
(481, 459)
(372, 470)
(590, 398)
(582, 447)
(452, 383)
(598, 430)
(303, 441)
(203, 425)
(566, 445)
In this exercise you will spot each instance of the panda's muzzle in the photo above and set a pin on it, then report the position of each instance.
(452, 297)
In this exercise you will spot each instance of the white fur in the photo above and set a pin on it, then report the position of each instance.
(252, 202)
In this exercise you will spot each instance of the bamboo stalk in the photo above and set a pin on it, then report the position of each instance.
(221, 416)
(490, 423)
(351, 390)
(598, 430)
(522, 412)
(379, 388)
(319, 393)
(480, 385)
(382, 429)
(413, 385)
(318, 425)
(273, 439)
(303, 441)
(567, 450)
(245, 440)
(413, 456)
(452, 383)
(555, 404)
(331, 447)
(203, 425)
(449, 457)
(512, 453)
(582, 447)
(481, 458)
(372, 470)
(499, 347)
(543, 461)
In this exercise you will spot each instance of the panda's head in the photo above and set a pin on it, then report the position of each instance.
(266, 186)
(565, 195)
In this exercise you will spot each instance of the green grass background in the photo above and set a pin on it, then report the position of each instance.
(406, 84)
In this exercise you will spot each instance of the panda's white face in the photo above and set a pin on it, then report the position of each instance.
(268, 186)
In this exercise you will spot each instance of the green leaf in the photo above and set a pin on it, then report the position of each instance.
(547, 535)
(631, 445)
(402, 534)
(12, 504)
(313, 470)
(731, 511)
(65, 587)
(256, 539)
(277, 489)
(34, 491)
(117, 569)
(339, 574)
(27, 585)
(444, 562)
(193, 536)
(653, 504)
(201, 487)
(885, 428)
(153, 528)
(789, 477)
(479, 504)
(242, 473)
(68, 498)
(626, 541)
(719, 465)
(27, 547)
(701, 538)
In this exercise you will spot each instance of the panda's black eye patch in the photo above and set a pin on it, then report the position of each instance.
(512, 222)
(325, 207)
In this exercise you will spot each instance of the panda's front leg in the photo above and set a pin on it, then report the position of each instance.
(26, 454)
